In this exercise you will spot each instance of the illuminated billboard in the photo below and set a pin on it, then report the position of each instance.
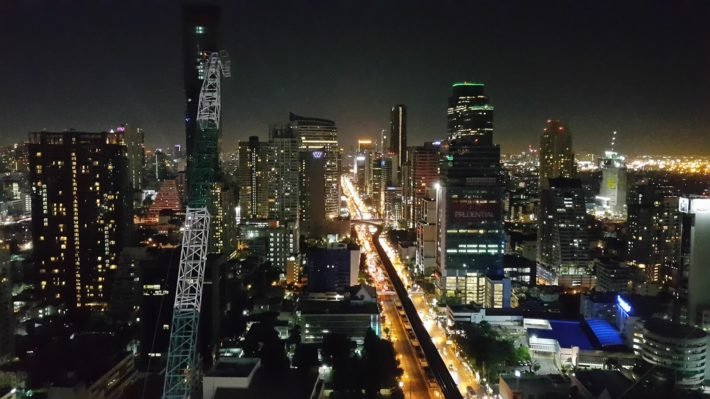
(471, 210)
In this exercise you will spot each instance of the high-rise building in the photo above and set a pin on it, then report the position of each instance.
(556, 156)
(398, 133)
(654, 225)
(313, 167)
(614, 185)
(252, 179)
(422, 172)
(377, 186)
(282, 162)
(7, 318)
(80, 208)
(135, 143)
(470, 198)
(469, 112)
(321, 135)
(563, 237)
(696, 210)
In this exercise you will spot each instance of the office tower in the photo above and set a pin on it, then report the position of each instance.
(556, 156)
(654, 225)
(313, 167)
(332, 269)
(470, 198)
(252, 179)
(398, 133)
(364, 145)
(696, 210)
(393, 212)
(422, 174)
(377, 191)
(563, 238)
(282, 161)
(7, 318)
(80, 208)
(321, 135)
(469, 112)
(135, 144)
(614, 185)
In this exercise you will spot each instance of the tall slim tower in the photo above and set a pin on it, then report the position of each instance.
(80, 207)
(556, 156)
(252, 179)
(398, 133)
(470, 198)
(321, 135)
(469, 112)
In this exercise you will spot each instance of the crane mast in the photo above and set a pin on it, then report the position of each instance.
(202, 170)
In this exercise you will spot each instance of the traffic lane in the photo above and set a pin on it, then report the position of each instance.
(460, 371)
(414, 381)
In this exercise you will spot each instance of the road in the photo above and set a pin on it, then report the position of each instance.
(454, 376)
(461, 372)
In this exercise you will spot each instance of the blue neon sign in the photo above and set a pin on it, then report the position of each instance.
(623, 304)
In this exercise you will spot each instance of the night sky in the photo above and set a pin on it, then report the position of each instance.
(642, 68)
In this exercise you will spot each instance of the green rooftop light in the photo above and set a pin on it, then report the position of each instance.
(467, 84)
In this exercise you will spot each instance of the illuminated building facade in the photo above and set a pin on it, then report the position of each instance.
(80, 214)
(556, 156)
(316, 134)
(7, 317)
(614, 185)
(654, 225)
(696, 211)
(469, 112)
(252, 179)
(470, 199)
(563, 237)
(422, 174)
(397, 140)
(312, 193)
(282, 162)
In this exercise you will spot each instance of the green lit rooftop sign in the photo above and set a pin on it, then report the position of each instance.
(467, 84)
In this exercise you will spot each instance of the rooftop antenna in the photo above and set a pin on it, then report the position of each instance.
(613, 140)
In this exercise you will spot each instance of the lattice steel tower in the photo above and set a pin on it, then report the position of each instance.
(202, 173)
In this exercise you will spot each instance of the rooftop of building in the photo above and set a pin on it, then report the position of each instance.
(591, 334)
(238, 368)
(292, 385)
(538, 385)
(673, 330)
(300, 118)
(336, 307)
(598, 381)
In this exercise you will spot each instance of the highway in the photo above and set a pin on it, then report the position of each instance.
(432, 362)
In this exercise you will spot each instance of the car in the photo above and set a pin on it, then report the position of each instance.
(451, 367)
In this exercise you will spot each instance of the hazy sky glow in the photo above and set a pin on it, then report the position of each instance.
(642, 68)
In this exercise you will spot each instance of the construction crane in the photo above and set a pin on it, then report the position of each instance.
(202, 170)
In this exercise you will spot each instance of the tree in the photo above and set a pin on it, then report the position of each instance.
(305, 357)
(380, 364)
(263, 341)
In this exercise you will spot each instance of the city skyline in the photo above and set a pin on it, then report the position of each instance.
(585, 69)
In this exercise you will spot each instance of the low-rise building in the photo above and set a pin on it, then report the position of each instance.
(680, 349)
(350, 318)
(534, 386)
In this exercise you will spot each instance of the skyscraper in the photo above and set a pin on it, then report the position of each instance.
(556, 156)
(470, 113)
(398, 133)
(422, 174)
(697, 210)
(614, 185)
(80, 208)
(135, 143)
(563, 238)
(470, 198)
(252, 179)
(283, 166)
(654, 224)
(7, 318)
(321, 135)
